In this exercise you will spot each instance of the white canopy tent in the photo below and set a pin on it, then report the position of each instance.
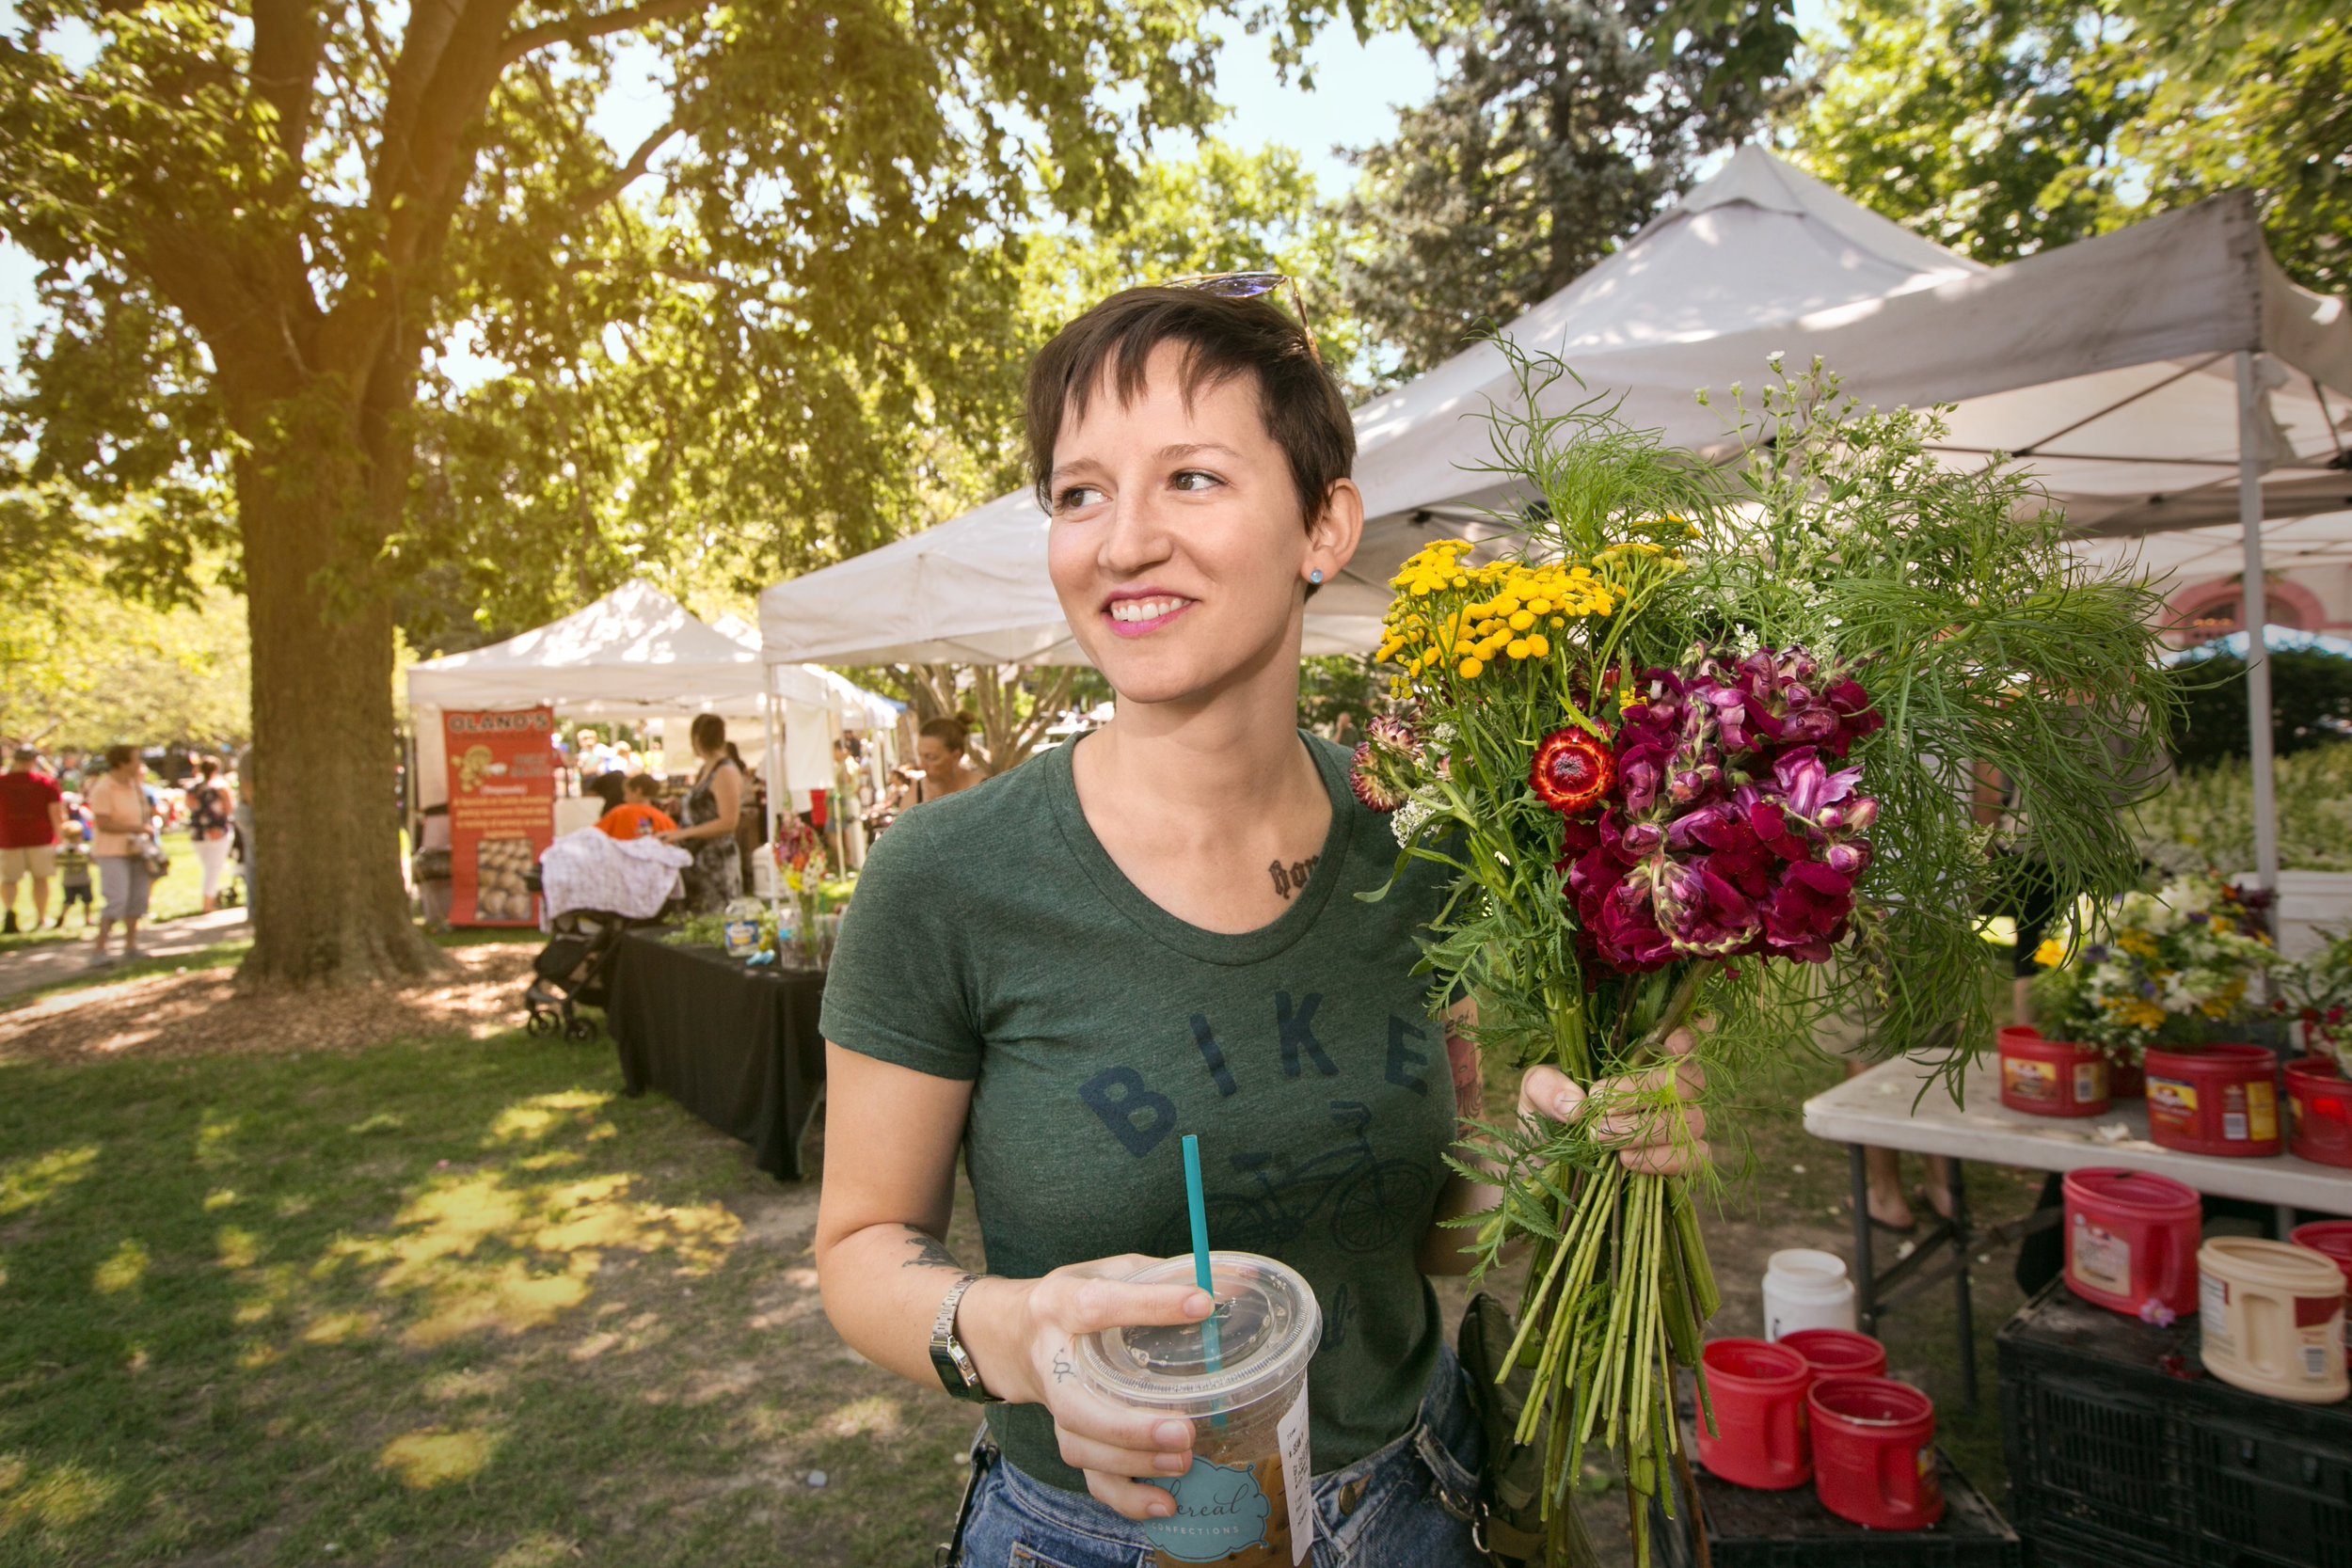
(2165, 376)
(636, 654)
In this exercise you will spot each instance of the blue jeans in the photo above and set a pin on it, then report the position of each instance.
(1404, 1506)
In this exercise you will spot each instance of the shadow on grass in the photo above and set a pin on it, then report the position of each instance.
(433, 1299)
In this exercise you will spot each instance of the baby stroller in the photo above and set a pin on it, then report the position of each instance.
(572, 971)
(582, 876)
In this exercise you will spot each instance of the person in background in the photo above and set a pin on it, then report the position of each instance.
(611, 788)
(713, 806)
(212, 829)
(125, 820)
(939, 751)
(638, 816)
(73, 879)
(32, 819)
(241, 817)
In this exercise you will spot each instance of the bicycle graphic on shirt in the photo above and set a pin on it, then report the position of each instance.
(1369, 1204)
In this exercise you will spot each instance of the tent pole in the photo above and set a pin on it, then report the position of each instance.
(2256, 616)
(776, 792)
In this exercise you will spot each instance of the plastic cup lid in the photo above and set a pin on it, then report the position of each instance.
(1268, 1324)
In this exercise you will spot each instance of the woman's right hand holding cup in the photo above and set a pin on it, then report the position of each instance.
(1036, 1325)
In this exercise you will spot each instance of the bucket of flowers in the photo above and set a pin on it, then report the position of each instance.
(1695, 742)
(2181, 965)
(804, 938)
(2315, 992)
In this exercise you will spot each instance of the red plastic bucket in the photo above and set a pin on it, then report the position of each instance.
(1874, 1452)
(1756, 1390)
(2332, 1238)
(1837, 1352)
(2319, 1112)
(2132, 1239)
(2215, 1099)
(2051, 1078)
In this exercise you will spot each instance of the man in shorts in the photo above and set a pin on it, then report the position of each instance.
(32, 815)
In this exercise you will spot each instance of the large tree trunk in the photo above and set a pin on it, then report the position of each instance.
(329, 907)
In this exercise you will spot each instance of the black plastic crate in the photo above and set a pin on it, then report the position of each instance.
(1748, 1528)
(2122, 1452)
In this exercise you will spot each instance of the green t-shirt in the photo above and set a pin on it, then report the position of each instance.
(992, 939)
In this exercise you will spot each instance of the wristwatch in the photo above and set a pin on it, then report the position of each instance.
(954, 1363)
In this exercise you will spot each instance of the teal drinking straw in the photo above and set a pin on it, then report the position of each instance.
(1197, 1203)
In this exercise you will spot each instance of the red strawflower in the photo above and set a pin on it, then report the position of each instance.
(1572, 771)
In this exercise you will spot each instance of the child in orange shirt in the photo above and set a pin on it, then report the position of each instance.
(637, 816)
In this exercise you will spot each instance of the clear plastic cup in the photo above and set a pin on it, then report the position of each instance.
(1250, 1445)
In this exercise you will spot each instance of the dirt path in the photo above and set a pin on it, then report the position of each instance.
(46, 963)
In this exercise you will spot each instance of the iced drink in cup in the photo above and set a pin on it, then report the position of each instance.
(1241, 1379)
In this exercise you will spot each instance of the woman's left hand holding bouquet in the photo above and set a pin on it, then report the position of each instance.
(1651, 1139)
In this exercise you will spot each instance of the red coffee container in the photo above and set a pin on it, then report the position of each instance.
(2132, 1238)
(1757, 1391)
(1874, 1452)
(2319, 1112)
(2215, 1099)
(2051, 1078)
(1837, 1352)
(2334, 1239)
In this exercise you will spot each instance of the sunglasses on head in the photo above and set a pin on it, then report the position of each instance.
(1249, 285)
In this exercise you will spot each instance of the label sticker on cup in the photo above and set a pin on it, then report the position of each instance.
(1220, 1509)
(1298, 1475)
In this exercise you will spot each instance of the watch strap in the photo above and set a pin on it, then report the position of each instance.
(953, 1363)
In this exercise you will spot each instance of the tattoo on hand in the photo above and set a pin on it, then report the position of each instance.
(929, 1252)
(1469, 1083)
(1291, 878)
(1063, 1372)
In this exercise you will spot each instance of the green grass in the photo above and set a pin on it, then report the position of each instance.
(436, 1301)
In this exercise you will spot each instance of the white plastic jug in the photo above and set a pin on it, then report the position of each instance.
(1806, 1288)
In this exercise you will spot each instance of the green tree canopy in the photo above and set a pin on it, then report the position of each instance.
(1559, 128)
(2003, 127)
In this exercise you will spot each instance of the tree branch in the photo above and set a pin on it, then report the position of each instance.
(579, 29)
(629, 172)
(287, 43)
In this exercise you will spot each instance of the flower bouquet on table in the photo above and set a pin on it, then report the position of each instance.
(2178, 966)
(1696, 743)
(802, 863)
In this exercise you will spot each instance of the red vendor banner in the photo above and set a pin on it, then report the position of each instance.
(501, 811)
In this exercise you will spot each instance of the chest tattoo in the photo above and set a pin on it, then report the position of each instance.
(1289, 877)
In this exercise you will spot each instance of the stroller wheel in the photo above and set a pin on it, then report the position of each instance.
(580, 1029)
(539, 1024)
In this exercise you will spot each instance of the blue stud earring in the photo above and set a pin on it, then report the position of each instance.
(1315, 575)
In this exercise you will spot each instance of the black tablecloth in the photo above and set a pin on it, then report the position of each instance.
(737, 1046)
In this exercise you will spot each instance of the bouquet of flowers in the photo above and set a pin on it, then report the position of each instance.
(1697, 742)
(800, 852)
(2316, 992)
(2165, 968)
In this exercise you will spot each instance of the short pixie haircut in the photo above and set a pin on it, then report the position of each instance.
(1222, 337)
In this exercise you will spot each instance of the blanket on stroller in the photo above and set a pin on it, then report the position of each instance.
(593, 870)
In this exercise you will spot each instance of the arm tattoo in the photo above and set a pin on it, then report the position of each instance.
(1063, 1372)
(1469, 1083)
(929, 1252)
(1289, 877)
